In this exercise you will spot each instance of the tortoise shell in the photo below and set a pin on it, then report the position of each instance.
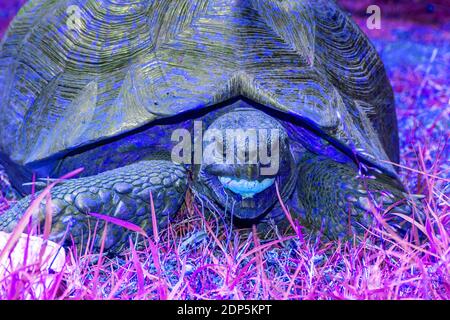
(73, 73)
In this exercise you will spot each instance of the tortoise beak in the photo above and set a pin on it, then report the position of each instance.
(246, 188)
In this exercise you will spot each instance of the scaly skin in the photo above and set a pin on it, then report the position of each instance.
(337, 201)
(123, 193)
(332, 201)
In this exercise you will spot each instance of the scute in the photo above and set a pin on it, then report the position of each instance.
(132, 62)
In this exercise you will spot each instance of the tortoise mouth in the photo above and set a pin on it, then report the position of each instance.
(246, 188)
(248, 199)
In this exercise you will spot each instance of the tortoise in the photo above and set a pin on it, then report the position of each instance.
(117, 87)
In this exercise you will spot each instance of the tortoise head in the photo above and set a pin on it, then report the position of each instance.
(246, 152)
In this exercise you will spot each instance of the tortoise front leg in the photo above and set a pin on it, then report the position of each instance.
(339, 203)
(123, 193)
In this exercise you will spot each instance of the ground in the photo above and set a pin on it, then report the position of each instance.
(196, 258)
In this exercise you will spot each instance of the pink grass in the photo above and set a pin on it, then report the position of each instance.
(246, 268)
